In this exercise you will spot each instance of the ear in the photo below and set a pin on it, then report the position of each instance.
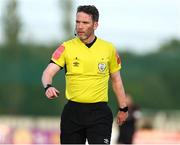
(95, 25)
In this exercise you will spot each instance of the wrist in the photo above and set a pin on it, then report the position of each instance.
(123, 109)
(47, 86)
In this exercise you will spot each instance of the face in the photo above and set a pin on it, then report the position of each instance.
(85, 27)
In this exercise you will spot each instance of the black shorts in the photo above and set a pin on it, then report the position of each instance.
(81, 121)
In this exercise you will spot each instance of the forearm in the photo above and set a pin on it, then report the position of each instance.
(118, 89)
(49, 73)
(46, 79)
(120, 94)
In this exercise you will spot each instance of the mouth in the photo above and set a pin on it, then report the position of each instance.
(80, 33)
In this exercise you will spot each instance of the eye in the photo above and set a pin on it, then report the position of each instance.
(77, 22)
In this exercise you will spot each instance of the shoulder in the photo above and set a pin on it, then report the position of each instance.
(106, 43)
(71, 41)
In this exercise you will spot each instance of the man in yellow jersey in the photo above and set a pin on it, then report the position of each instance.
(89, 62)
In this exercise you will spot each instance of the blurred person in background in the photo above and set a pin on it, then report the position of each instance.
(88, 62)
(127, 130)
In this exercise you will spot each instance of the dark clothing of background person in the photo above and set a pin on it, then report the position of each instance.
(127, 130)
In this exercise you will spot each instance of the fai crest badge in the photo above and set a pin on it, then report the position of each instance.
(101, 67)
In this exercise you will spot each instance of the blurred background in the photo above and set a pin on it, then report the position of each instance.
(147, 37)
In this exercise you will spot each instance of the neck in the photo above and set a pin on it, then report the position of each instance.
(89, 39)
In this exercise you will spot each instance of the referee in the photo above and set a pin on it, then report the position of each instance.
(89, 63)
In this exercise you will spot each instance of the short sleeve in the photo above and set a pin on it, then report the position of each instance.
(115, 61)
(59, 56)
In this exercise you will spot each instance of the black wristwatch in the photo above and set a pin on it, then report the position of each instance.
(125, 109)
(47, 86)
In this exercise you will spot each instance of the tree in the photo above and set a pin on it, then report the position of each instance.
(172, 45)
(11, 24)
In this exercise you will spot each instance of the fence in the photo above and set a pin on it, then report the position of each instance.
(153, 127)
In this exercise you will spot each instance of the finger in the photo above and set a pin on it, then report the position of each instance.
(120, 122)
(50, 94)
(53, 94)
(57, 92)
(51, 97)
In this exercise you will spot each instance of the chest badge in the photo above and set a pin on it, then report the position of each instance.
(101, 66)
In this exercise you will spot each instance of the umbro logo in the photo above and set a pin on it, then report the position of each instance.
(76, 64)
(106, 141)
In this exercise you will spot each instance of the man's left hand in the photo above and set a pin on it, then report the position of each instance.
(121, 117)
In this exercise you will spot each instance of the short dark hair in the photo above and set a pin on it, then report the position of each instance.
(91, 10)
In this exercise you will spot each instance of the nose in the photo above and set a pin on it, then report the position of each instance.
(80, 25)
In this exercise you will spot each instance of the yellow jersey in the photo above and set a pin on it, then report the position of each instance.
(87, 69)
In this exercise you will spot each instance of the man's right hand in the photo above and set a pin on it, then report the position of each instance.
(52, 93)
